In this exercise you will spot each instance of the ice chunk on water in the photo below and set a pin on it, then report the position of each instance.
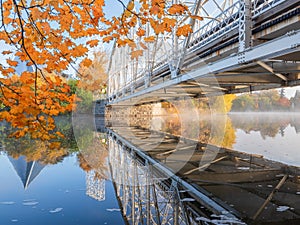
(188, 200)
(14, 220)
(282, 208)
(30, 203)
(113, 210)
(243, 168)
(57, 210)
(29, 200)
(220, 221)
(7, 203)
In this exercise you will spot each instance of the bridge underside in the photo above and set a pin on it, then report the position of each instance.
(272, 61)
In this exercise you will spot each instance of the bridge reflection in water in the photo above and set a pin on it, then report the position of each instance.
(234, 188)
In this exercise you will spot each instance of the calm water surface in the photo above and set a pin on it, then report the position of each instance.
(57, 195)
(73, 189)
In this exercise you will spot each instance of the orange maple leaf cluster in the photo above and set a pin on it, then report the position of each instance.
(144, 20)
(31, 102)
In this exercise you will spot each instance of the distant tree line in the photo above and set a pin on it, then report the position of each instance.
(271, 100)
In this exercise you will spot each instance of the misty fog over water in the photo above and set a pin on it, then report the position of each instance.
(274, 135)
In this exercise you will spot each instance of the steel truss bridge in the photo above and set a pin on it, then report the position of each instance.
(239, 46)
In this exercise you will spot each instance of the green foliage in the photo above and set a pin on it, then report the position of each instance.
(85, 104)
(73, 85)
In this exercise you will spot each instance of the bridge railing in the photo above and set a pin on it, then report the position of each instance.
(261, 6)
(221, 24)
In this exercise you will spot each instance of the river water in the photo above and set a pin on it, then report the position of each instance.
(238, 161)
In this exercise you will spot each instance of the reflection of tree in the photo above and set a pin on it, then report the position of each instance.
(267, 125)
(93, 152)
(94, 157)
(93, 160)
(44, 151)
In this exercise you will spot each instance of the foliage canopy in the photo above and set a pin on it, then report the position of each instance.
(51, 35)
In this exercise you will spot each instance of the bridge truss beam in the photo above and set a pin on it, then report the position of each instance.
(236, 37)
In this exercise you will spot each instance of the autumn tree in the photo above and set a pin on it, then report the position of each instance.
(94, 76)
(51, 35)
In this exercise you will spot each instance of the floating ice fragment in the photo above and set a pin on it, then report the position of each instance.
(30, 203)
(14, 220)
(112, 210)
(7, 203)
(29, 200)
(57, 210)
(282, 208)
(243, 168)
(224, 220)
(188, 200)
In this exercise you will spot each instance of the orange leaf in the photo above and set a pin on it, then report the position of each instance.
(93, 43)
(54, 145)
(177, 9)
(87, 62)
(130, 5)
(135, 54)
(14, 78)
(141, 32)
(29, 64)
(149, 39)
(107, 39)
(6, 52)
(184, 30)
(11, 62)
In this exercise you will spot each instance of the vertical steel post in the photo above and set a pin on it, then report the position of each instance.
(188, 38)
(245, 25)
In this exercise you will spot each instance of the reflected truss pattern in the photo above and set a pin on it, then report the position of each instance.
(231, 188)
(95, 187)
(147, 196)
